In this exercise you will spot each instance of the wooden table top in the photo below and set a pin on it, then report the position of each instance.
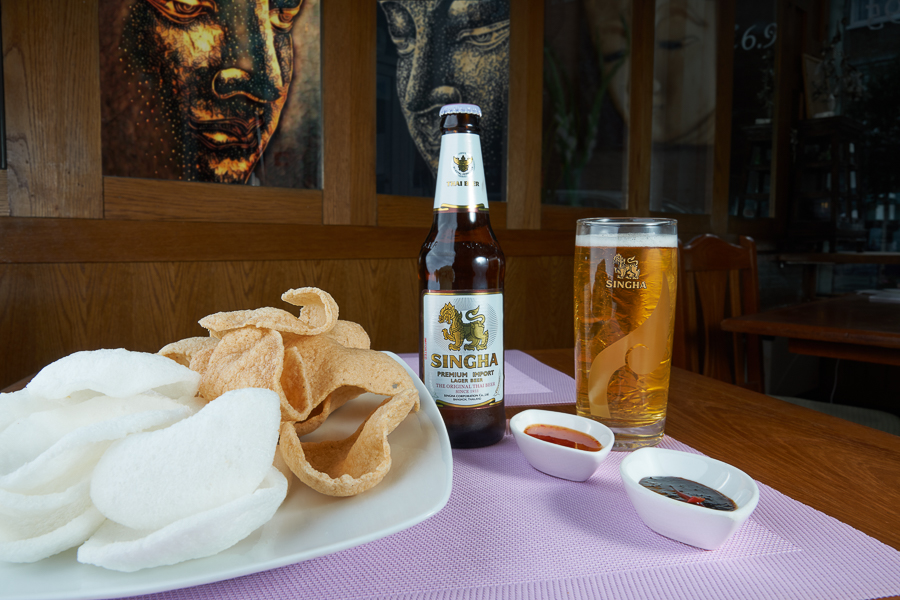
(848, 471)
(850, 319)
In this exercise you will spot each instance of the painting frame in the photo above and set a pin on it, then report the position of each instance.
(172, 112)
(413, 82)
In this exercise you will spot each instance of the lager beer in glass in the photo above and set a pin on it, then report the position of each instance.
(625, 287)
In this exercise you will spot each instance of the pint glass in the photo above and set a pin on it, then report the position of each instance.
(625, 287)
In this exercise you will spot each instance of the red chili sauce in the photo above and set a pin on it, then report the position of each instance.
(685, 490)
(563, 436)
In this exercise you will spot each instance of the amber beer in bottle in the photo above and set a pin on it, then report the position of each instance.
(461, 270)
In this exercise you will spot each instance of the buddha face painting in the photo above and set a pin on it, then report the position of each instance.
(684, 90)
(219, 71)
(451, 51)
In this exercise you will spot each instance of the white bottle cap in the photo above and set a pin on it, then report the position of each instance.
(471, 109)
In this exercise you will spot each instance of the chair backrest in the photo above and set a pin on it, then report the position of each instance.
(717, 280)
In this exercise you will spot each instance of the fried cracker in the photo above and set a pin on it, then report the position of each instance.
(319, 312)
(184, 350)
(317, 366)
(350, 334)
(353, 465)
(247, 357)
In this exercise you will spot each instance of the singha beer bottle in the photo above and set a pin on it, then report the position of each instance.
(461, 270)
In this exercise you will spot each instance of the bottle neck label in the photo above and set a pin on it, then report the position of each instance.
(460, 175)
(463, 346)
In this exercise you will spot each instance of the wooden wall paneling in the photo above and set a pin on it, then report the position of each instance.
(640, 122)
(156, 199)
(407, 211)
(54, 310)
(62, 308)
(565, 217)
(399, 211)
(539, 301)
(170, 298)
(348, 101)
(52, 88)
(378, 294)
(85, 240)
(519, 242)
(4, 195)
(526, 81)
(724, 85)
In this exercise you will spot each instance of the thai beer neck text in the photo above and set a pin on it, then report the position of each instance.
(460, 176)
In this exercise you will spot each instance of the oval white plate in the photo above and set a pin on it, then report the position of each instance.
(307, 524)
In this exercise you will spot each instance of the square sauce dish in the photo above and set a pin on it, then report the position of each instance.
(558, 460)
(688, 519)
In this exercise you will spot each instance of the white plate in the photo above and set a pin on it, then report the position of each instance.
(307, 525)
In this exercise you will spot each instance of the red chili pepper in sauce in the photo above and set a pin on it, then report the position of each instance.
(689, 499)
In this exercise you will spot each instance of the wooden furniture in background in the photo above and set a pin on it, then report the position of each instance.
(755, 191)
(810, 456)
(851, 327)
(802, 25)
(812, 262)
(717, 280)
(826, 204)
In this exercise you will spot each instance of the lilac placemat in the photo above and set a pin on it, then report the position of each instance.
(528, 381)
(511, 532)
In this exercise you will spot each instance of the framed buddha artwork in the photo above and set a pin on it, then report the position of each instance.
(431, 53)
(219, 91)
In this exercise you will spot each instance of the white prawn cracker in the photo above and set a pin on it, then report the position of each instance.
(117, 373)
(53, 433)
(42, 454)
(120, 548)
(33, 527)
(191, 490)
(222, 453)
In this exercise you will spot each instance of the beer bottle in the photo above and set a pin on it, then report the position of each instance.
(461, 271)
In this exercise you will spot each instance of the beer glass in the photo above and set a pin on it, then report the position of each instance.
(625, 286)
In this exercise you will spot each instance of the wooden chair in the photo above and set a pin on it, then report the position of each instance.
(717, 280)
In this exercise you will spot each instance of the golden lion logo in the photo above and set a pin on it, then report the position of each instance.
(626, 268)
(472, 332)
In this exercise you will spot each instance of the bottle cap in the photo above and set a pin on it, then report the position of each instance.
(450, 109)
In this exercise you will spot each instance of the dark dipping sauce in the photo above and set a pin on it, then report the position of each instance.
(690, 492)
(556, 434)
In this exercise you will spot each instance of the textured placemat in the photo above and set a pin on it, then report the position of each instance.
(512, 532)
(528, 381)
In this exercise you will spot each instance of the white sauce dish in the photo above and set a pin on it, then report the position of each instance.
(688, 523)
(554, 459)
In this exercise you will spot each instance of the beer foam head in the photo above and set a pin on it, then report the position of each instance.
(627, 240)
